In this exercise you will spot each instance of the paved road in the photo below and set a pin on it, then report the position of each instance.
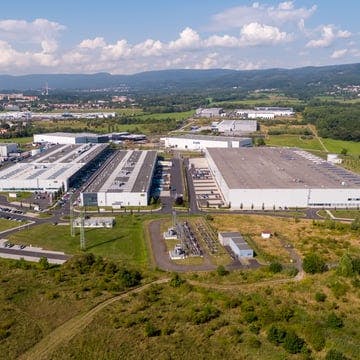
(191, 190)
(33, 253)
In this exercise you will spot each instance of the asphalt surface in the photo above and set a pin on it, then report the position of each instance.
(33, 253)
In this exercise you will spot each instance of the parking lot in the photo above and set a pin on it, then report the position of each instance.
(206, 190)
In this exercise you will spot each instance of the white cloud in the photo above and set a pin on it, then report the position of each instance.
(237, 17)
(329, 34)
(98, 42)
(256, 34)
(337, 54)
(188, 39)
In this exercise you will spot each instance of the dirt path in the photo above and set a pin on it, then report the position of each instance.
(65, 332)
(313, 129)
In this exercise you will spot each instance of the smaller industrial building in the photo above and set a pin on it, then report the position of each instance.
(209, 112)
(235, 127)
(124, 180)
(264, 112)
(70, 138)
(201, 142)
(6, 149)
(236, 243)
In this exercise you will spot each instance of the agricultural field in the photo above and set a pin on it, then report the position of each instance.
(20, 140)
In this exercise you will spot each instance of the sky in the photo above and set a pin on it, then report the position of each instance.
(125, 37)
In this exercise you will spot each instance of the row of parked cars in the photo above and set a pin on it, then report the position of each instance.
(13, 211)
(10, 245)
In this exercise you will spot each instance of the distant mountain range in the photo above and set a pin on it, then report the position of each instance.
(306, 78)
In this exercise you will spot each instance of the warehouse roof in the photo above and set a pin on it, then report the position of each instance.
(71, 135)
(126, 171)
(274, 168)
(209, 137)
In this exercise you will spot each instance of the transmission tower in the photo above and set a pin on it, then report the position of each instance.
(82, 231)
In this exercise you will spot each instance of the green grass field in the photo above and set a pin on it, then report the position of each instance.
(293, 141)
(9, 224)
(21, 141)
(125, 242)
(335, 146)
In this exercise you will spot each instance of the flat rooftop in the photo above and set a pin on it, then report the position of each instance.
(70, 135)
(279, 168)
(209, 137)
(125, 171)
(57, 162)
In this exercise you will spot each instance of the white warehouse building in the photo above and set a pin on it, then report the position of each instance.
(201, 142)
(7, 148)
(70, 138)
(51, 170)
(233, 127)
(267, 178)
(124, 180)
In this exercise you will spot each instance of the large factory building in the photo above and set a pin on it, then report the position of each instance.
(51, 170)
(274, 178)
(201, 142)
(70, 138)
(124, 180)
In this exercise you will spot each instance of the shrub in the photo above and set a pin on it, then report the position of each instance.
(221, 271)
(320, 297)
(293, 344)
(4, 334)
(205, 315)
(275, 267)
(151, 330)
(44, 263)
(129, 278)
(255, 328)
(276, 335)
(313, 264)
(335, 355)
(333, 321)
(176, 280)
(345, 267)
(254, 343)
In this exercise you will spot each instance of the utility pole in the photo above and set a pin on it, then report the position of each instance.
(82, 231)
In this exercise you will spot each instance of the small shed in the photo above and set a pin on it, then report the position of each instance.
(266, 234)
(237, 244)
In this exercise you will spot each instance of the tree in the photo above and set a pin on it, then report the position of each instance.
(176, 280)
(276, 335)
(344, 151)
(260, 142)
(313, 264)
(355, 224)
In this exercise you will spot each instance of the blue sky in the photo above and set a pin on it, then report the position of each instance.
(78, 36)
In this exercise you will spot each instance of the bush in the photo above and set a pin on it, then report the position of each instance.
(313, 264)
(129, 278)
(176, 280)
(333, 321)
(335, 355)
(320, 297)
(345, 267)
(151, 330)
(44, 263)
(276, 335)
(4, 334)
(221, 271)
(275, 267)
(293, 344)
(205, 315)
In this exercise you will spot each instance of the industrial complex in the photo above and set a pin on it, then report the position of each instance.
(51, 170)
(272, 178)
(235, 127)
(124, 180)
(201, 142)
